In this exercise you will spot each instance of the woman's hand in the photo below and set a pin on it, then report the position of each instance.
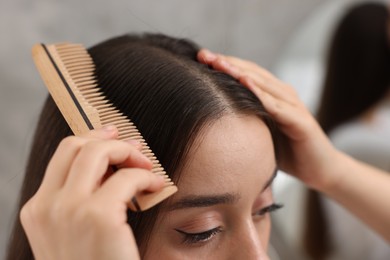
(308, 153)
(79, 213)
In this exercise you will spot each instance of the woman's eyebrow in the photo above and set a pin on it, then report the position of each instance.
(195, 201)
(198, 201)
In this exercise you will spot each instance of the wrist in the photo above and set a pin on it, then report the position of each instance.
(334, 172)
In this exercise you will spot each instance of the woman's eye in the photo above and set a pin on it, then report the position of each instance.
(193, 238)
(270, 208)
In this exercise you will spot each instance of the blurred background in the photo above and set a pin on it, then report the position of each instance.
(288, 37)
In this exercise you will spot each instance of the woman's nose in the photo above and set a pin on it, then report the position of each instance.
(248, 244)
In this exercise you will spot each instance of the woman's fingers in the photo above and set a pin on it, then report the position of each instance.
(293, 117)
(275, 88)
(74, 203)
(126, 183)
(79, 163)
(59, 166)
(231, 65)
(218, 62)
(279, 99)
(106, 132)
(246, 71)
(95, 157)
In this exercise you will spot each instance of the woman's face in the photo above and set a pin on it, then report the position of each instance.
(221, 208)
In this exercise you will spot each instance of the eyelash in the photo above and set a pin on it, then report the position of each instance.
(271, 208)
(193, 238)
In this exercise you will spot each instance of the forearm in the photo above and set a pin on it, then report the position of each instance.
(363, 190)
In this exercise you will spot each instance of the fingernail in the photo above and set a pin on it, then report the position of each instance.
(109, 128)
(208, 55)
(137, 144)
(161, 179)
(224, 63)
(132, 141)
(247, 81)
(231, 69)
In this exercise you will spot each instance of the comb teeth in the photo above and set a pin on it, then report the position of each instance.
(68, 71)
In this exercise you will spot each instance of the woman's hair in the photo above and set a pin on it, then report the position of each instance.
(357, 78)
(157, 82)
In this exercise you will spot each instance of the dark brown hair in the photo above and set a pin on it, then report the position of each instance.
(157, 82)
(357, 77)
(358, 65)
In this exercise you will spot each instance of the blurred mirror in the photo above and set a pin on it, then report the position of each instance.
(303, 65)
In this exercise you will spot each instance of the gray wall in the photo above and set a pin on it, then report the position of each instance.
(259, 30)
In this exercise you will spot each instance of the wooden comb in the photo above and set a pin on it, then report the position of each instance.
(68, 72)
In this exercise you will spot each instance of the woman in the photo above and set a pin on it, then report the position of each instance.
(211, 134)
(200, 123)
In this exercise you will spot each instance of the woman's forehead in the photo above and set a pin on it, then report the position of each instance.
(232, 153)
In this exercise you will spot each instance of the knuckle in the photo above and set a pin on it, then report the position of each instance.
(246, 79)
(34, 212)
(126, 175)
(95, 148)
(25, 213)
(101, 149)
(92, 146)
(70, 142)
(136, 176)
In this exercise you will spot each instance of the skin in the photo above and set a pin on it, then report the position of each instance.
(234, 163)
